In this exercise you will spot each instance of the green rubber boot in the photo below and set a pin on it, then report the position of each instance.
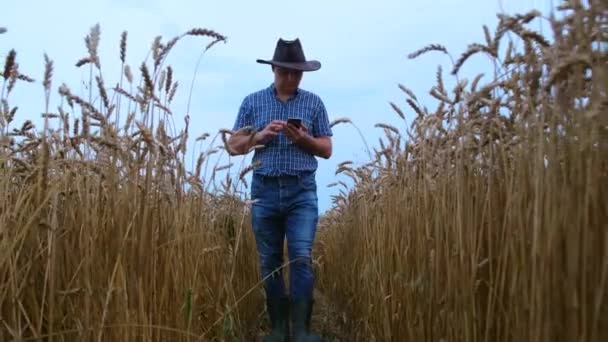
(278, 312)
(301, 311)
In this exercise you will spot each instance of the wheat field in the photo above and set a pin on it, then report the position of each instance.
(486, 220)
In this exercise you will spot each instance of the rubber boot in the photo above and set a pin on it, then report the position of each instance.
(278, 312)
(301, 311)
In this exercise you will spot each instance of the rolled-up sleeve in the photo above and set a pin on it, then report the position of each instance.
(321, 127)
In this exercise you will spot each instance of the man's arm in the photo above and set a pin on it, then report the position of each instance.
(318, 142)
(320, 146)
(241, 142)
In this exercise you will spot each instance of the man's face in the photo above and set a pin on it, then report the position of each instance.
(286, 80)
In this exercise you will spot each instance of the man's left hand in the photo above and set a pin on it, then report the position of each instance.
(295, 134)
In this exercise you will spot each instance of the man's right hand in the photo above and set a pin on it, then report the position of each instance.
(241, 142)
(269, 132)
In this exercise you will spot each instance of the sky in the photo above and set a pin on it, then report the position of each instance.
(362, 46)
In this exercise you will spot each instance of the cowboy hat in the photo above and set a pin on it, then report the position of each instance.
(289, 54)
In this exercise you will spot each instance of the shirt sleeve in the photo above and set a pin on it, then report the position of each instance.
(244, 116)
(320, 127)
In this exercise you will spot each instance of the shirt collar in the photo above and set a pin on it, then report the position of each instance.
(274, 92)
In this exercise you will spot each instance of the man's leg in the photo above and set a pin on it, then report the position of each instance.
(269, 230)
(301, 228)
(302, 220)
(269, 237)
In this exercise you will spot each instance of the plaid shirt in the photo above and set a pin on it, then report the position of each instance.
(280, 156)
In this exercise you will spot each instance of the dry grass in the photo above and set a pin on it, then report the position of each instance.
(104, 233)
(489, 222)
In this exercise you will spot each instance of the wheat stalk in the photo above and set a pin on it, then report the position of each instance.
(339, 121)
(169, 79)
(92, 43)
(48, 73)
(249, 168)
(102, 91)
(206, 33)
(83, 61)
(9, 63)
(428, 48)
(123, 46)
(388, 127)
(397, 110)
(472, 49)
(149, 85)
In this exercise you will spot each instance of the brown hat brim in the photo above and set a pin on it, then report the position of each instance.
(303, 66)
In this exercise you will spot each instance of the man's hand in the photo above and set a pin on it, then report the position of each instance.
(320, 146)
(242, 141)
(296, 134)
(269, 132)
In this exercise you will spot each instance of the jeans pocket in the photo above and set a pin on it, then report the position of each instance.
(308, 182)
(257, 183)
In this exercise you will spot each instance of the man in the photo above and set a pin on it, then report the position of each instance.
(293, 126)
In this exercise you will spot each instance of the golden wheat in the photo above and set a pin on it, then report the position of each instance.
(489, 224)
(89, 210)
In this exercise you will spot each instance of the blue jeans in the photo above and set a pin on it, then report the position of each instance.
(286, 206)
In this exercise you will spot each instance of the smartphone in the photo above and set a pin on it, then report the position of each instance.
(295, 122)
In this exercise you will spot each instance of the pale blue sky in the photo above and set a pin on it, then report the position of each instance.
(362, 46)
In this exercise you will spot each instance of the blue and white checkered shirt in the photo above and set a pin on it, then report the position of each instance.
(280, 156)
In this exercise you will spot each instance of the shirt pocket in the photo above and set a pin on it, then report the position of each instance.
(261, 118)
(308, 122)
(306, 113)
